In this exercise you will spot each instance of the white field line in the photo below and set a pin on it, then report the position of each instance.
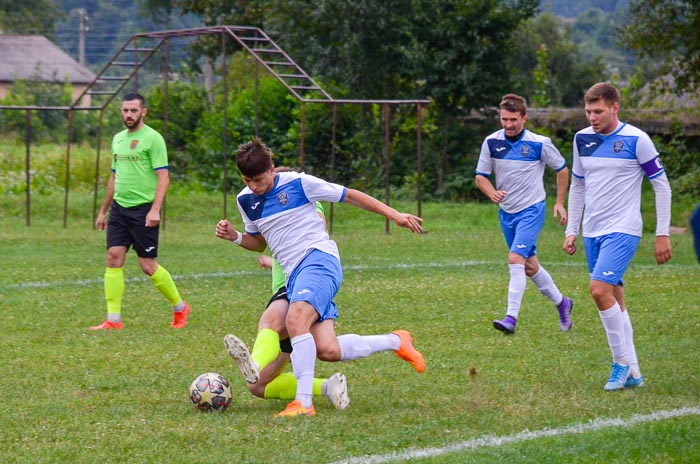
(489, 441)
(351, 267)
(216, 275)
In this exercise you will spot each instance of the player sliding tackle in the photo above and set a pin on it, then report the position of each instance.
(279, 212)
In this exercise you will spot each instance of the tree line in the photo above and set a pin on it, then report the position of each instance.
(463, 55)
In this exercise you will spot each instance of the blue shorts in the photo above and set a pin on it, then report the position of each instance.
(316, 280)
(609, 256)
(521, 229)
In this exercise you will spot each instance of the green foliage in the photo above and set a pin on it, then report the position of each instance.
(539, 95)
(568, 74)
(669, 31)
(44, 125)
(29, 17)
(187, 102)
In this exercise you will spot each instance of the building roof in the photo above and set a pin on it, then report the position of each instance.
(31, 56)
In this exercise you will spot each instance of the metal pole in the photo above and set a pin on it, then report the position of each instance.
(225, 135)
(165, 118)
(387, 142)
(303, 130)
(67, 186)
(27, 163)
(419, 160)
(333, 142)
(97, 169)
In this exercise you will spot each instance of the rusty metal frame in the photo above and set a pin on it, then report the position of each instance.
(266, 53)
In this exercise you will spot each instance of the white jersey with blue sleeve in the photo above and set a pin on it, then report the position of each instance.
(519, 167)
(286, 217)
(611, 168)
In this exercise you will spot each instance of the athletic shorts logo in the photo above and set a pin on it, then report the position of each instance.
(608, 273)
(149, 249)
(617, 148)
(301, 292)
(520, 246)
(283, 198)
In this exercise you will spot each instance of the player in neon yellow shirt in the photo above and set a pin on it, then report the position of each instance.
(134, 196)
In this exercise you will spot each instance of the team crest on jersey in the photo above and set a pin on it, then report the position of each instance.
(617, 148)
(525, 150)
(134, 144)
(282, 198)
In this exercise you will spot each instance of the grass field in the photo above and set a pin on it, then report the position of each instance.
(71, 395)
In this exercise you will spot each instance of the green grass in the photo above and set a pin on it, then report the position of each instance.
(71, 395)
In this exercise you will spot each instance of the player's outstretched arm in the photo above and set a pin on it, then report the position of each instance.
(368, 203)
(226, 231)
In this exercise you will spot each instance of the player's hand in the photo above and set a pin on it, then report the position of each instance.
(265, 262)
(101, 222)
(498, 195)
(225, 230)
(410, 221)
(662, 249)
(152, 218)
(560, 211)
(570, 244)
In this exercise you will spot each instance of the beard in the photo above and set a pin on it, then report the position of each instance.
(131, 123)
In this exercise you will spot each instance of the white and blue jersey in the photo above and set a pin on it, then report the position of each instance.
(612, 168)
(519, 167)
(287, 219)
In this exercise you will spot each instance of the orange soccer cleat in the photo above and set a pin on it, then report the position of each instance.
(295, 409)
(407, 351)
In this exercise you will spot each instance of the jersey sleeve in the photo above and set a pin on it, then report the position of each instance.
(317, 189)
(159, 153)
(551, 155)
(484, 166)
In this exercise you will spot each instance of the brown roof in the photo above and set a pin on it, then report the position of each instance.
(26, 56)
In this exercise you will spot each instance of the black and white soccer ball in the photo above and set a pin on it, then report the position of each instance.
(211, 392)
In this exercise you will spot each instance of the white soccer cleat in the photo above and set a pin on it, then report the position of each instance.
(337, 391)
(240, 354)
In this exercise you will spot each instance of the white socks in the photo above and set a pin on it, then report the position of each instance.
(354, 346)
(516, 289)
(613, 323)
(545, 284)
(303, 363)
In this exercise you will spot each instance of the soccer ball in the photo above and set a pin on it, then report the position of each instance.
(211, 392)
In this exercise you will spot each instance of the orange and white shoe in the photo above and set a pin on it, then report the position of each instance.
(295, 409)
(407, 352)
(108, 325)
(180, 317)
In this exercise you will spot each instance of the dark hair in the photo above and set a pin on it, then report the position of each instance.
(602, 91)
(253, 158)
(135, 96)
(513, 104)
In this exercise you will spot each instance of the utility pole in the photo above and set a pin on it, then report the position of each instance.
(83, 29)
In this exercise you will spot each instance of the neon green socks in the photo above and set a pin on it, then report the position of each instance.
(114, 291)
(266, 348)
(284, 387)
(164, 282)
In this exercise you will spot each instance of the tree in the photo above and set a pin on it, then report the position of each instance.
(29, 17)
(568, 73)
(668, 30)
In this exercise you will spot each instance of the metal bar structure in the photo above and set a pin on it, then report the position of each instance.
(140, 48)
(27, 167)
